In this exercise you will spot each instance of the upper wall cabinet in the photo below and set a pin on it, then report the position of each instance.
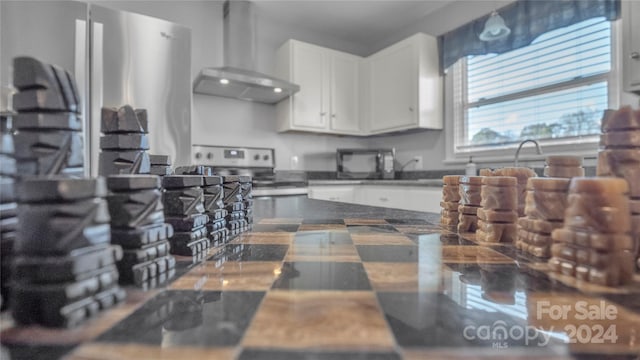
(328, 100)
(404, 89)
(631, 45)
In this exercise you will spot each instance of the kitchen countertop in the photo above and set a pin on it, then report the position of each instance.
(416, 182)
(325, 280)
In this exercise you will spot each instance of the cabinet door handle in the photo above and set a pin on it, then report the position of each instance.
(410, 108)
(635, 55)
(384, 199)
(323, 113)
(333, 115)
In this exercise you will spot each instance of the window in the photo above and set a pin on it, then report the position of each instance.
(553, 90)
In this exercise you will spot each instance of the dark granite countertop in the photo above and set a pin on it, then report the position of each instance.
(303, 207)
(317, 279)
(406, 182)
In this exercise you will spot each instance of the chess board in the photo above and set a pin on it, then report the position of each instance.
(344, 288)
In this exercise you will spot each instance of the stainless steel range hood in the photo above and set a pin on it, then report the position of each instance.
(238, 79)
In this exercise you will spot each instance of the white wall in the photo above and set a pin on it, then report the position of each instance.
(431, 145)
(228, 122)
(443, 20)
(220, 121)
(234, 122)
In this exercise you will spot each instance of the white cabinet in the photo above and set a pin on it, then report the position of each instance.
(339, 193)
(398, 88)
(383, 196)
(344, 113)
(631, 45)
(405, 87)
(416, 198)
(328, 98)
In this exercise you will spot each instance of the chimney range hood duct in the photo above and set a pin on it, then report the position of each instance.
(237, 79)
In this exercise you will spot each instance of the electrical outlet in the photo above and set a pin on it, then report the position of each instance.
(418, 162)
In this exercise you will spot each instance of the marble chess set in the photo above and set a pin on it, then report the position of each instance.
(125, 143)
(213, 194)
(64, 271)
(48, 128)
(235, 203)
(8, 207)
(546, 202)
(68, 242)
(619, 156)
(587, 227)
(62, 262)
(497, 216)
(160, 165)
(183, 200)
(138, 225)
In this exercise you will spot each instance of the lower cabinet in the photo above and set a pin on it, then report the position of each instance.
(333, 193)
(416, 198)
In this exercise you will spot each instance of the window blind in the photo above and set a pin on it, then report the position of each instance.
(555, 88)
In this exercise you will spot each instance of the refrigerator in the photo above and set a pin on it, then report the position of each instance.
(117, 58)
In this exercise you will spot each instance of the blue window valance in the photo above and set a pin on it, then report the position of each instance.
(527, 19)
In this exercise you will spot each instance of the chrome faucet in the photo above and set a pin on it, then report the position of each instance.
(520, 147)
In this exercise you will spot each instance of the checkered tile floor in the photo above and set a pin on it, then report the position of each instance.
(345, 289)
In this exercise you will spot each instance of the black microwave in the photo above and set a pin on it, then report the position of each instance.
(365, 163)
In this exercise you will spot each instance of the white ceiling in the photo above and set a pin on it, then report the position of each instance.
(358, 21)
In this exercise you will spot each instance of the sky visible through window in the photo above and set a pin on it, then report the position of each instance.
(553, 59)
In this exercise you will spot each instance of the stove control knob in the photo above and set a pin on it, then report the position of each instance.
(265, 158)
(209, 156)
(256, 157)
(198, 155)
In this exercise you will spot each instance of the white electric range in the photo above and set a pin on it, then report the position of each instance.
(259, 163)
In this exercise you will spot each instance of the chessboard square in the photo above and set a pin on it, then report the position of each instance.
(455, 254)
(275, 221)
(275, 227)
(338, 253)
(355, 221)
(436, 239)
(418, 229)
(242, 252)
(269, 354)
(444, 238)
(322, 221)
(319, 320)
(387, 253)
(363, 229)
(407, 221)
(139, 351)
(323, 238)
(424, 319)
(188, 318)
(264, 238)
(465, 353)
(316, 227)
(230, 276)
(413, 277)
(381, 239)
(322, 276)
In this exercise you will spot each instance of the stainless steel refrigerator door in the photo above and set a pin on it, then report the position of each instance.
(144, 62)
(52, 31)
